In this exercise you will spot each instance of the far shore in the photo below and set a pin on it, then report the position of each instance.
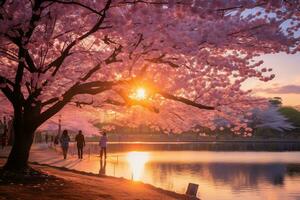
(209, 141)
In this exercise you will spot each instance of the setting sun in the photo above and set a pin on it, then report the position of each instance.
(140, 93)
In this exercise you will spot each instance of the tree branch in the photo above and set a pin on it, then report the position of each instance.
(162, 61)
(91, 72)
(85, 88)
(184, 100)
(58, 61)
(6, 90)
(78, 4)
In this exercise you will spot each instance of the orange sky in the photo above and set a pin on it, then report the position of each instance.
(286, 84)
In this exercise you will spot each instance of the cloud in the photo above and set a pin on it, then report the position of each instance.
(285, 89)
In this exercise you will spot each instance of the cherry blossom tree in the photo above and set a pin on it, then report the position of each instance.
(191, 56)
(270, 118)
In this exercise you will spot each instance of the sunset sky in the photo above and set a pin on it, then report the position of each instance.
(286, 83)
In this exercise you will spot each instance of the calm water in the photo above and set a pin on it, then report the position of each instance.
(220, 175)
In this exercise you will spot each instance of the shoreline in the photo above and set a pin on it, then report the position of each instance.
(168, 192)
(91, 184)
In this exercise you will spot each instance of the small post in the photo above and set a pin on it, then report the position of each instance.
(114, 169)
(192, 190)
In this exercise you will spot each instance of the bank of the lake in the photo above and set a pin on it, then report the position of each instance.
(75, 185)
(221, 175)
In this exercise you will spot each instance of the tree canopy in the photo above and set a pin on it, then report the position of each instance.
(190, 56)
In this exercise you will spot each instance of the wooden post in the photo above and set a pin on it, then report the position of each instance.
(192, 190)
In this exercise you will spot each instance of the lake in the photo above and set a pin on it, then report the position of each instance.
(221, 175)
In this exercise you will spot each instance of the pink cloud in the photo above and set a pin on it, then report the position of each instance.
(285, 89)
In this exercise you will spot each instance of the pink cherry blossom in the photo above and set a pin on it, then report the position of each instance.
(187, 53)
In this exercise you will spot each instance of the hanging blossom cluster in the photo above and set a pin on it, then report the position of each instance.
(190, 54)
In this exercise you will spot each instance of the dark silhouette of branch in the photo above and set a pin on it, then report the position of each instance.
(59, 60)
(184, 100)
(78, 4)
(161, 60)
(91, 72)
(6, 90)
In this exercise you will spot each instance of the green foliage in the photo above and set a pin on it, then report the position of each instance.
(292, 114)
(276, 101)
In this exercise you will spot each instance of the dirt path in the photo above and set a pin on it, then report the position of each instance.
(73, 185)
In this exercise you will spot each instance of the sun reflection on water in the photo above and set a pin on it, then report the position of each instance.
(137, 161)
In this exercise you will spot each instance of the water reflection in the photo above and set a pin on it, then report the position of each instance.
(102, 170)
(236, 176)
(220, 175)
(137, 161)
(249, 176)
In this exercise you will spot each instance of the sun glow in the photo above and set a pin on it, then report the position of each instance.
(139, 94)
(137, 161)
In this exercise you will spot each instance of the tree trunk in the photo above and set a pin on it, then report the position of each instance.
(18, 157)
(23, 133)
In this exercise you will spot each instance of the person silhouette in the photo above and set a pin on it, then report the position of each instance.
(4, 134)
(46, 138)
(80, 143)
(103, 145)
(64, 141)
(4, 139)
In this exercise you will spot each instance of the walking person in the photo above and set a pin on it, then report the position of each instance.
(80, 143)
(64, 141)
(103, 145)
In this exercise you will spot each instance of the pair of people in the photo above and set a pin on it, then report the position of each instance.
(65, 140)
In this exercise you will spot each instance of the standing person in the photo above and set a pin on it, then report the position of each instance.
(80, 143)
(46, 138)
(56, 140)
(1, 132)
(64, 142)
(103, 145)
(3, 139)
(4, 134)
(10, 131)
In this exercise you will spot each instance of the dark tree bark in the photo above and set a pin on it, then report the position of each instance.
(18, 157)
(24, 129)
